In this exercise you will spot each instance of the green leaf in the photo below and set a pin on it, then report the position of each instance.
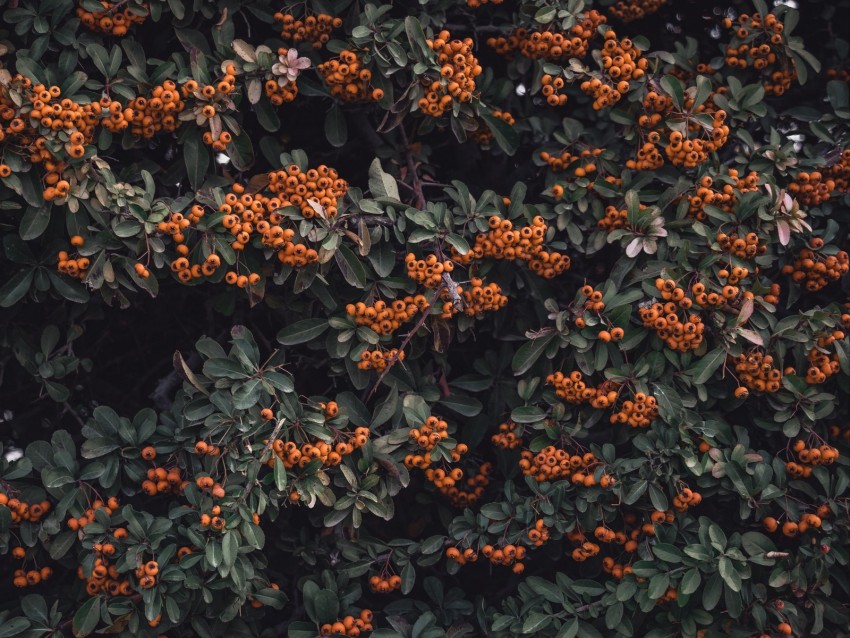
(60, 544)
(280, 477)
(527, 414)
(729, 574)
(535, 621)
(690, 581)
(326, 605)
(674, 88)
(229, 547)
(381, 184)
(34, 222)
(658, 498)
(505, 135)
(529, 353)
(302, 331)
(16, 287)
(86, 618)
(197, 159)
(336, 129)
(227, 368)
(351, 267)
(416, 37)
(569, 629)
(466, 406)
(13, 627)
(703, 91)
(667, 552)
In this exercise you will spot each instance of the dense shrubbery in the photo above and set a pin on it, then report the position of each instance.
(543, 333)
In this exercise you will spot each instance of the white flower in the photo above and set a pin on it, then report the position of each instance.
(289, 67)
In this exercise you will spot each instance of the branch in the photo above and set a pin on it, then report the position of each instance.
(411, 169)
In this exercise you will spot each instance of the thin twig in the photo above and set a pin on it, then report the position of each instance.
(411, 169)
(74, 414)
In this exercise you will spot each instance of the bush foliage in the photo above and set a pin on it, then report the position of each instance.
(424, 319)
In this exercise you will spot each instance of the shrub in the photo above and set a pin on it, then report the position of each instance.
(424, 319)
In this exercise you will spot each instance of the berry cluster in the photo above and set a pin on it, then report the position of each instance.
(377, 359)
(382, 585)
(551, 90)
(330, 454)
(621, 62)
(348, 79)
(160, 110)
(73, 266)
(349, 625)
(812, 189)
(755, 371)
(210, 485)
(462, 496)
(38, 124)
(648, 157)
(539, 534)
(110, 20)
(146, 574)
(550, 45)
(386, 318)
(321, 185)
(77, 523)
(816, 269)
(685, 499)
(560, 162)
(458, 70)
(677, 334)
(427, 436)
(706, 299)
(29, 578)
(214, 520)
(821, 365)
(468, 555)
(104, 578)
(572, 388)
(687, 152)
(754, 41)
(746, 247)
(725, 199)
(429, 271)
(791, 528)
(614, 219)
(639, 413)
(21, 510)
(553, 463)
(507, 438)
(314, 29)
(630, 10)
(246, 214)
(585, 551)
(810, 457)
(525, 244)
(507, 556)
(479, 298)
(160, 481)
